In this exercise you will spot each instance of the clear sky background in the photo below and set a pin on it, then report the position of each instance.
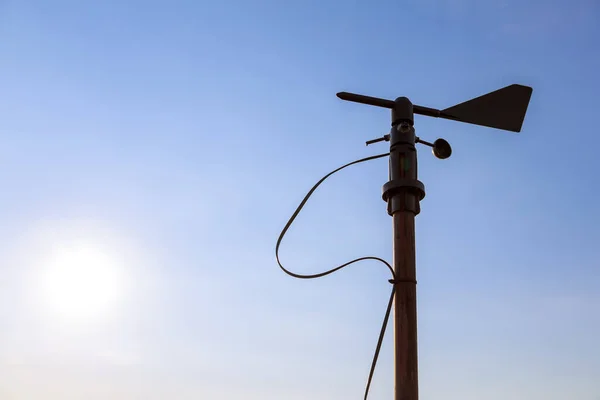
(168, 143)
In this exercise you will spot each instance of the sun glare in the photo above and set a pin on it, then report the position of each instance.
(81, 282)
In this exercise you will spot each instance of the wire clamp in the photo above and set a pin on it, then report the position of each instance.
(398, 281)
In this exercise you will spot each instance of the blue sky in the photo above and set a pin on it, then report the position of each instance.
(180, 136)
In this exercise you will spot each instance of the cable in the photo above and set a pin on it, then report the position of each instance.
(319, 275)
(380, 341)
(301, 206)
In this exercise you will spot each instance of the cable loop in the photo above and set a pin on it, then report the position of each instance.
(319, 275)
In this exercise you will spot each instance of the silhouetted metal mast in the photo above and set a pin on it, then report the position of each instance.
(502, 109)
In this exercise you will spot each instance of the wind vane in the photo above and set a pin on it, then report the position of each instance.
(503, 109)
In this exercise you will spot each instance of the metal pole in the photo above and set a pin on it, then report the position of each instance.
(403, 193)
